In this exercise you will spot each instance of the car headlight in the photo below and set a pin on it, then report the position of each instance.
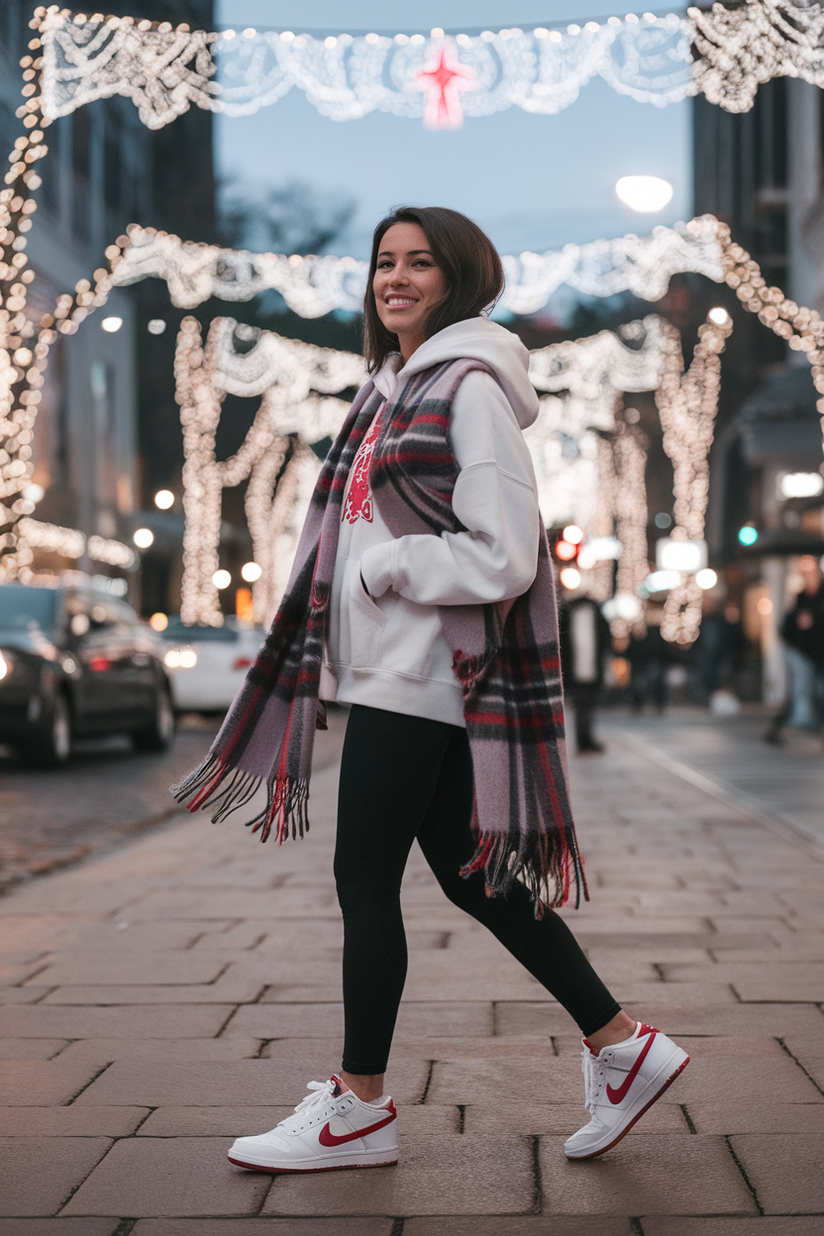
(5, 666)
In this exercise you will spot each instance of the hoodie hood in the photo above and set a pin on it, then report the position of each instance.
(474, 339)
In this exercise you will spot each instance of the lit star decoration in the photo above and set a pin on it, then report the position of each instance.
(659, 59)
(443, 81)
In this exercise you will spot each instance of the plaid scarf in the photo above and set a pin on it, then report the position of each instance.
(504, 655)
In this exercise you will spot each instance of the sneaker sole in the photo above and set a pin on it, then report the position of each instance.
(327, 1167)
(593, 1154)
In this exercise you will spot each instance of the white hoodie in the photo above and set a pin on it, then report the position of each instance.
(387, 649)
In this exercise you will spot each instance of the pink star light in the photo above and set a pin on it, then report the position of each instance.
(443, 80)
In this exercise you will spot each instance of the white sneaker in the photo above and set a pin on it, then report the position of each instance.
(330, 1129)
(621, 1083)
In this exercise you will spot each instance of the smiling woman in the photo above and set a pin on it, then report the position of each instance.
(422, 596)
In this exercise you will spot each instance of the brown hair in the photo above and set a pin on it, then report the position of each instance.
(470, 263)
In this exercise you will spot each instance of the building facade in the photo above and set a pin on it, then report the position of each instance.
(96, 447)
(762, 172)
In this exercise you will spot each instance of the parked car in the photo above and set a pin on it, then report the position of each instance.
(207, 665)
(75, 661)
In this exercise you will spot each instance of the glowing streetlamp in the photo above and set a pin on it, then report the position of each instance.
(646, 194)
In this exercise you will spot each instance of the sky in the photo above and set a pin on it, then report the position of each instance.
(532, 182)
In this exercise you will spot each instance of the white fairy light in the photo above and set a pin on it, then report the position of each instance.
(739, 49)
(629, 451)
(295, 382)
(165, 71)
(114, 553)
(724, 53)
(67, 542)
(687, 405)
(586, 379)
(314, 286)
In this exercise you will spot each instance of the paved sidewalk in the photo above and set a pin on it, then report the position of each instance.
(164, 999)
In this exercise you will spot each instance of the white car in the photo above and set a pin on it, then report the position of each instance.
(206, 666)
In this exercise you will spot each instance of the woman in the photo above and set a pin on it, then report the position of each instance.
(422, 596)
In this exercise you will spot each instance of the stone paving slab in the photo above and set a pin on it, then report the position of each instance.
(72, 1121)
(522, 1225)
(786, 1172)
(786, 1225)
(667, 1174)
(168, 1176)
(38, 1174)
(56, 1227)
(100, 1021)
(263, 1227)
(147, 1083)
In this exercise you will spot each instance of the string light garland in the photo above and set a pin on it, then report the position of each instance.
(313, 286)
(295, 381)
(629, 454)
(687, 405)
(26, 338)
(586, 379)
(165, 70)
(652, 59)
(739, 49)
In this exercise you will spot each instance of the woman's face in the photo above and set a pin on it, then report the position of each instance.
(407, 284)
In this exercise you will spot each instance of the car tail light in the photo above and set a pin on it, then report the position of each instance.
(242, 663)
(99, 663)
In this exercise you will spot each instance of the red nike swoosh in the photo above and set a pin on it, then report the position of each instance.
(618, 1096)
(327, 1138)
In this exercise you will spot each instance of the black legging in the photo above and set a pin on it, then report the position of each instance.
(406, 777)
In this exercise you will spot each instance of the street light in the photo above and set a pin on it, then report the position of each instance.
(221, 579)
(250, 571)
(143, 538)
(646, 194)
(163, 499)
(111, 325)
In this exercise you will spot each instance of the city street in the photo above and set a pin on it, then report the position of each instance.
(106, 793)
(180, 990)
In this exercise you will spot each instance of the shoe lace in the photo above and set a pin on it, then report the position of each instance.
(319, 1093)
(593, 1079)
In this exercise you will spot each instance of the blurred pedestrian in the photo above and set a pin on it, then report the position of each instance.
(422, 595)
(585, 644)
(803, 634)
(649, 656)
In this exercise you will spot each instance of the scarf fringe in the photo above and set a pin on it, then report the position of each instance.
(215, 786)
(545, 868)
(287, 810)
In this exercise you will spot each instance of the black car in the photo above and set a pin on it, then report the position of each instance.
(75, 661)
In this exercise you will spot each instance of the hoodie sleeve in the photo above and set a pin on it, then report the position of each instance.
(495, 498)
